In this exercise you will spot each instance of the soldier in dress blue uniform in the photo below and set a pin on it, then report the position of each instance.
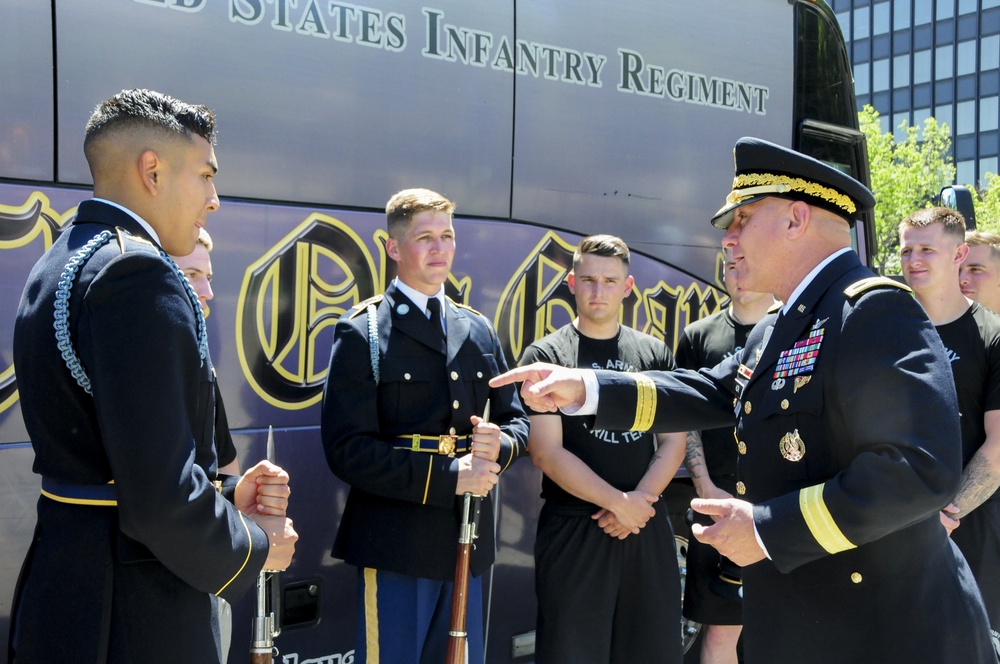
(846, 429)
(407, 385)
(135, 532)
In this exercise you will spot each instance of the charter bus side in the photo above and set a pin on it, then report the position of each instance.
(545, 120)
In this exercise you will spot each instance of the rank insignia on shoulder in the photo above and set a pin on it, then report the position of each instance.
(464, 306)
(360, 307)
(871, 283)
(792, 447)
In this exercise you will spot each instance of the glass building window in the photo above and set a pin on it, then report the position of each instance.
(945, 8)
(880, 18)
(989, 53)
(989, 4)
(944, 114)
(988, 114)
(965, 117)
(880, 75)
(901, 14)
(944, 66)
(919, 115)
(922, 12)
(844, 19)
(862, 83)
(922, 67)
(861, 26)
(968, 6)
(965, 172)
(901, 71)
(966, 58)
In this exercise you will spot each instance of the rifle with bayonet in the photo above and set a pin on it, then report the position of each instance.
(267, 615)
(458, 645)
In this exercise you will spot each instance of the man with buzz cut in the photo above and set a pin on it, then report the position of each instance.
(136, 529)
(980, 273)
(607, 591)
(932, 250)
(846, 430)
(403, 424)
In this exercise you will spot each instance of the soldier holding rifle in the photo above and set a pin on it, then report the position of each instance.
(135, 531)
(401, 424)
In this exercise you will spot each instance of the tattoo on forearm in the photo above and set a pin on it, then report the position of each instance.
(978, 484)
(694, 456)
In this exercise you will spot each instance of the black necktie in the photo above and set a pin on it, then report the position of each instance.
(434, 309)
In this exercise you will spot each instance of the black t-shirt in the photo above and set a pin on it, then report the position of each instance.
(620, 458)
(704, 344)
(973, 344)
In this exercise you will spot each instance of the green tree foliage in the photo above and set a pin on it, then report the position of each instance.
(906, 176)
(987, 204)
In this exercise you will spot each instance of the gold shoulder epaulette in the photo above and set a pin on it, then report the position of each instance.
(360, 307)
(869, 283)
(465, 306)
(124, 235)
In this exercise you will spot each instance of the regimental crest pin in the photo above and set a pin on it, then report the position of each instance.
(801, 381)
(792, 447)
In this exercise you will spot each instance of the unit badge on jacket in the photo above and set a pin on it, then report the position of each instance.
(792, 447)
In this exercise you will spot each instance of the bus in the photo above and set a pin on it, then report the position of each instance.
(545, 120)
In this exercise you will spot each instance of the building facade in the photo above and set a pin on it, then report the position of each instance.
(913, 59)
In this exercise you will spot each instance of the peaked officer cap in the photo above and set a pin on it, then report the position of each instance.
(766, 169)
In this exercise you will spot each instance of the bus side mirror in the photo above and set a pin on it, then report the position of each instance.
(959, 198)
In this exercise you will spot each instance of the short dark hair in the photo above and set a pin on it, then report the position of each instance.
(141, 109)
(952, 220)
(602, 245)
(404, 204)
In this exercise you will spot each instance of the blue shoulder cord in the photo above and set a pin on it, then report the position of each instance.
(64, 290)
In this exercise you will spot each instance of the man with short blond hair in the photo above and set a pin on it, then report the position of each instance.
(932, 251)
(980, 273)
(402, 424)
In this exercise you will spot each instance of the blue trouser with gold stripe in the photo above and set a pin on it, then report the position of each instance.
(405, 620)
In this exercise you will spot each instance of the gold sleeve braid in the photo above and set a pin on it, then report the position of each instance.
(645, 403)
(820, 521)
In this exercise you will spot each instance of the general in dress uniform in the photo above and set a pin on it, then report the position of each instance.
(403, 391)
(847, 432)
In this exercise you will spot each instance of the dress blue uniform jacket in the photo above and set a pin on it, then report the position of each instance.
(847, 464)
(402, 514)
(130, 583)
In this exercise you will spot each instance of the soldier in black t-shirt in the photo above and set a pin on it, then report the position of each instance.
(932, 249)
(608, 590)
(713, 586)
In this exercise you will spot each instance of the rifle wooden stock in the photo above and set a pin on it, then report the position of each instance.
(457, 635)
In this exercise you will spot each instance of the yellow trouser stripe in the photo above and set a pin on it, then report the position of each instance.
(820, 521)
(645, 403)
(371, 616)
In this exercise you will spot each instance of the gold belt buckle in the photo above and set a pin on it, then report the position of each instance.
(446, 444)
